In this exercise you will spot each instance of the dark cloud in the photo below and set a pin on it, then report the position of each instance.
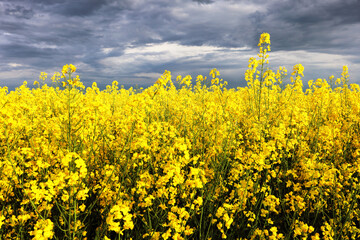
(79, 8)
(16, 51)
(204, 1)
(45, 34)
(13, 27)
(345, 12)
(309, 12)
(308, 24)
(18, 11)
(82, 8)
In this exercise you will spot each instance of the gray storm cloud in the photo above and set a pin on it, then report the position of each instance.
(133, 41)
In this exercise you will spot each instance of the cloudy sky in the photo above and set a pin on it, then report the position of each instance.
(134, 41)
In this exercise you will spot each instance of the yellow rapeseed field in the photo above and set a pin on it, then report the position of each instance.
(185, 160)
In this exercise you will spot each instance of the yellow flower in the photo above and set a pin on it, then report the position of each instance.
(72, 68)
(228, 220)
(198, 201)
(120, 211)
(214, 73)
(82, 194)
(315, 237)
(297, 231)
(166, 234)
(345, 75)
(82, 207)
(186, 80)
(162, 206)
(65, 69)
(220, 212)
(264, 39)
(43, 230)
(55, 78)
(298, 69)
(65, 197)
(43, 76)
(2, 218)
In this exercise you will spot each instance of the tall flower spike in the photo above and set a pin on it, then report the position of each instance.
(65, 69)
(264, 41)
(72, 68)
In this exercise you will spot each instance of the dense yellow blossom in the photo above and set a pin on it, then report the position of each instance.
(43, 230)
(190, 161)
